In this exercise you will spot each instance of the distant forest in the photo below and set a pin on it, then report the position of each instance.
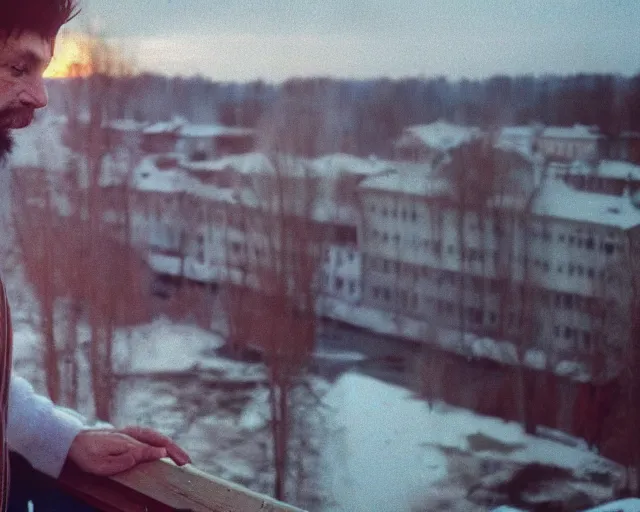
(318, 116)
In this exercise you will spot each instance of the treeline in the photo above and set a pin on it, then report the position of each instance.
(364, 117)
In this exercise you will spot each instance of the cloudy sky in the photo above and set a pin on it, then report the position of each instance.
(278, 39)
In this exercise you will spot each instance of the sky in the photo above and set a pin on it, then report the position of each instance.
(240, 40)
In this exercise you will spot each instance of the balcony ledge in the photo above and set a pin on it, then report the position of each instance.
(162, 486)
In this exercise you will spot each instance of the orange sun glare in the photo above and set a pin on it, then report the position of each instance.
(72, 56)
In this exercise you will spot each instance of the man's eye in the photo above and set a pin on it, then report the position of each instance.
(19, 71)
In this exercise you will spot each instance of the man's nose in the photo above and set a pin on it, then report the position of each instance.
(35, 95)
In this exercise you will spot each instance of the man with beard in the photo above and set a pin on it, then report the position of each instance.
(41, 437)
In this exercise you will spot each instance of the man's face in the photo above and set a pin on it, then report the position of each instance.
(23, 60)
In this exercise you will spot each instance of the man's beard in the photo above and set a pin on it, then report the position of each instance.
(6, 144)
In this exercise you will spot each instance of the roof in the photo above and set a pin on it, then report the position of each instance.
(126, 125)
(163, 127)
(518, 131)
(147, 177)
(577, 131)
(558, 200)
(441, 135)
(332, 166)
(212, 130)
(618, 169)
(412, 182)
(247, 163)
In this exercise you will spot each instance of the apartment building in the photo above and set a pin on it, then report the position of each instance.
(566, 144)
(545, 265)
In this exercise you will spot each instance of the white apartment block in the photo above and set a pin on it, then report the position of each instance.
(425, 258)
(570, 143)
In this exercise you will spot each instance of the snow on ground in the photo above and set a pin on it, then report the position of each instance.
(381, 449)
(162, 346)
(628, 505)
(385, 448)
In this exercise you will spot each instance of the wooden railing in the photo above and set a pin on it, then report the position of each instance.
(162, 486)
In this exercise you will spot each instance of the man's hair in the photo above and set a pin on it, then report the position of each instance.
(44, 17)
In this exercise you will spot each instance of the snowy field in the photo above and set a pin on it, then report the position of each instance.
(381, 449)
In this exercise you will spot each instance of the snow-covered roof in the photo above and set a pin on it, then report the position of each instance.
(558, 200)
(163, 127)
(212, 130)
(414, 182)
(440, 136)
(618, 170)
(147, 177)
(331, 166)
(247, 163)
(577, 131)
(518, 131)
(126, 125)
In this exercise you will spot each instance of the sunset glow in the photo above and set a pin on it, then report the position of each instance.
(72, 56)
(80, 55)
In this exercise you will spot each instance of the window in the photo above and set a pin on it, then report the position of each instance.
(385, 266)
(571, 269)
(414, 216)
(493, 318)
(591, 273)
(386, 294)
(560, 269)
(568, 333)
(451, 249)
(588, 243)
(396, 239)
(385, 237)
(339, 284)
(561, 238)
(568, 301)
(385, 212)
(580, 270)
(572, 239)
(545, 266)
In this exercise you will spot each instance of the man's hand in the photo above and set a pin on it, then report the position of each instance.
(107, 452)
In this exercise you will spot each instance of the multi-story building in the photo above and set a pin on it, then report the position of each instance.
(541, 267)
(605, 177)
(252, 201)
(566, 144)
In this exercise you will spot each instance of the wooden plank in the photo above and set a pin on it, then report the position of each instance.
(162, 486)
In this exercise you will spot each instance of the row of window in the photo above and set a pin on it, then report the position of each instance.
(395, 213)
(579, 336)
(340, 284)
(411, 301)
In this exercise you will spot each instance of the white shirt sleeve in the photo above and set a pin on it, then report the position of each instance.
(38, 430)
